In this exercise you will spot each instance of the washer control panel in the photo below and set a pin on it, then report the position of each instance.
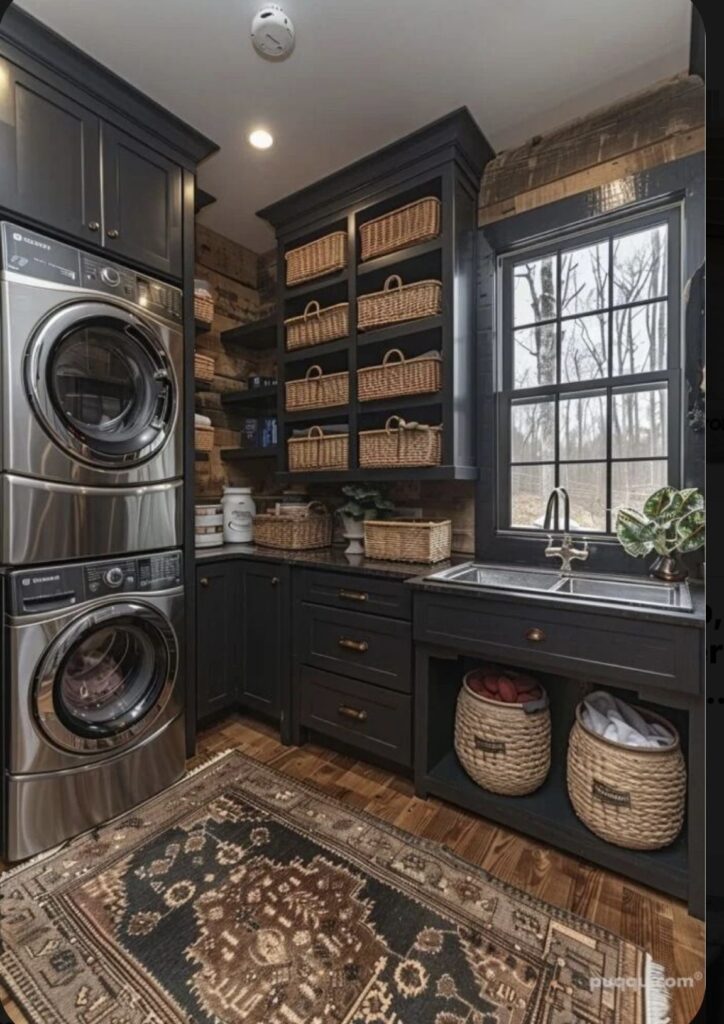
(37, 256)
(37, 590)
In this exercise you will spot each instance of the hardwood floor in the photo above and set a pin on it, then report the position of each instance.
(659, 924)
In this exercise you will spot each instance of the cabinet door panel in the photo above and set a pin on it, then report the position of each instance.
(264, 611)
(49, 156)
(141, 203)
(218, 663)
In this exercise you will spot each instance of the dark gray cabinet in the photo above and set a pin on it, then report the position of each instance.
(218, 638)
(141, 202)
(263, 620)
(49, 156)
(71, 171)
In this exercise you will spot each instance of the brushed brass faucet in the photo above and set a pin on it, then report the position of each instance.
(566, 550)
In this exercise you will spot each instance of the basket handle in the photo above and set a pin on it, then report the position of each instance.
(314, 307)
(393, 352)
(311, 369)
(392, 279)
(397, 420)
(317, 428)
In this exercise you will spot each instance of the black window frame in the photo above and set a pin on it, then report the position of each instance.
(680, 181)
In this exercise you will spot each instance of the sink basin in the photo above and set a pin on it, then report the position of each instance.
(612, 589)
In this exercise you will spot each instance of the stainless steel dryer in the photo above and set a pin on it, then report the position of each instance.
(93, 698)
(92, 447)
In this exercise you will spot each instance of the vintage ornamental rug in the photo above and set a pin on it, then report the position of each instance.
(240, 896)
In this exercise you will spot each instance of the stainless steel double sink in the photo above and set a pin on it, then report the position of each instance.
(588, 587)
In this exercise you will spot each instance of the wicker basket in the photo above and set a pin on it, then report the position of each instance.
(203, 309)
(408, 540)
(418, 376)
(322, 256)
(317, 390)
(505, 748)
(315, 325)
(408, 225)
(294, 533)
(203, 439)
(629, 796)
(400, 444)
(398, 302)
(318, 451)
(204, 367)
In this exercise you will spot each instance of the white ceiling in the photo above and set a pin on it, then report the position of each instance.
(365, 72)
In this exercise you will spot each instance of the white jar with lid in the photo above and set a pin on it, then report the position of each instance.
(239, 512)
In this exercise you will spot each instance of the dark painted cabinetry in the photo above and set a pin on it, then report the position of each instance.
(242, 637)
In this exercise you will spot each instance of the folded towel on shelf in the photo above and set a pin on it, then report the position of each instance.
(201, 421)
(329, 428)
(615, 720)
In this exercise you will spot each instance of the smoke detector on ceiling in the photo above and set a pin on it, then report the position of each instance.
(272, 32)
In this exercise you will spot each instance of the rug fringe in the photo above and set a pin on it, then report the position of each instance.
(658, 997)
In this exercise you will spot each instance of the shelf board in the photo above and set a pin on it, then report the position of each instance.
(395, 331)
(202, 199)
(201, 326)
(241, 454)
(549, 818)
(317, 284)
(201, 456)
(401, 473)
(203, 385)
(252, 396)
(312, 351)
(402, 402)
(259, 334)
(392, 259)
(309, 415)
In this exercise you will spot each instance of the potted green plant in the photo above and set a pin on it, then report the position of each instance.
(362, 503)
(671, 523)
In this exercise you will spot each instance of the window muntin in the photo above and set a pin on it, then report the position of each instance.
(589, 373)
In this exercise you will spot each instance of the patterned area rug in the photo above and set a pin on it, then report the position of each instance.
(241, 895)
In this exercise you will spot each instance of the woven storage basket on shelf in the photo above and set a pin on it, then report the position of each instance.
(505, 748)
(295, 533)
(203, 439)
(315, 325)
(400, 444)
(630, 796)
(398, 302)
(408, 540)
(418, 376)
(204, 366)
(318, 451)
(322, 256)
(203, 309)
(409, 225)
(317, 390)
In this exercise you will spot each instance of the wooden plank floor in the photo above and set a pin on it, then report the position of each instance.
(659, 924)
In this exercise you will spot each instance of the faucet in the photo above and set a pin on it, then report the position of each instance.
(565, 550)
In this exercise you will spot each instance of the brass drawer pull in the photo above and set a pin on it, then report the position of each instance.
(357, 713)
(352, 595)
(353, 645)
(535, 635)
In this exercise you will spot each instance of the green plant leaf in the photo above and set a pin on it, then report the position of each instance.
(660, 502)
(635, 533)
(691, 531)
(692, 500)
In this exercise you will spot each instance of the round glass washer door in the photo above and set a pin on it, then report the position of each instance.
(106, 678)
(101, 384)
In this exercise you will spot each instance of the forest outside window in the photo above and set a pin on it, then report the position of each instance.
(590, 373)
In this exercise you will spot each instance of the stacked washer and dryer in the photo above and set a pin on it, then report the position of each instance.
(91, 517)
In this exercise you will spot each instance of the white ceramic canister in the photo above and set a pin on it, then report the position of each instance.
(239, 512)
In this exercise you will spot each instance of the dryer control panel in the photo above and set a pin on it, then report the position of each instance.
(37, 590)
(40, 258)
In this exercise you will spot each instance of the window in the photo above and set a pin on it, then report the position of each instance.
(590, 373)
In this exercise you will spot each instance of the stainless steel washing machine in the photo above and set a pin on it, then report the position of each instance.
(90, 382)
(93, 698)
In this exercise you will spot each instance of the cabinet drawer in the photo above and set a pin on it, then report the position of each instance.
(366, 647)
(368, 594)
(596, 645)
(367, 717)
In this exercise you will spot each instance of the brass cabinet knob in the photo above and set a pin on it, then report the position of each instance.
(535, 635)
(112, 233)
(352, 595)
(93, 225)
(353, 645)
(204, 581)
(358, 714)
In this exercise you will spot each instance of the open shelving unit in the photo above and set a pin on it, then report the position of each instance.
(445, 160)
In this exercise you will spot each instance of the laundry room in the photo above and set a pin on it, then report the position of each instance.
(352, 512)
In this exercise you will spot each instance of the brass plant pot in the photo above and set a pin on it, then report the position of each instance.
(669, 568)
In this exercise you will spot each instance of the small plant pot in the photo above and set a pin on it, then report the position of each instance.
(669, 568)
(354, 532)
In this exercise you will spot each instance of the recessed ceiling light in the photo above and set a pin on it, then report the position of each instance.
(261, 139)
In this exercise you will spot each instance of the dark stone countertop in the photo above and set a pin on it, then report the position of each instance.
(325, 558)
